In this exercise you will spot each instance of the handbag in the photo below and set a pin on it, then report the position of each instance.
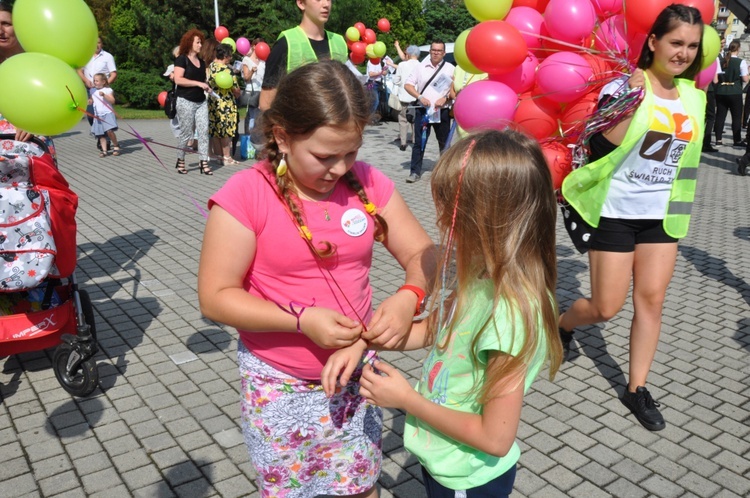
(170, 104)
(250, 97)
(394, 102)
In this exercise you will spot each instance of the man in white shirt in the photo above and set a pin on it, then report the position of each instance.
(403, 71)
(101, 62)
(430, 84)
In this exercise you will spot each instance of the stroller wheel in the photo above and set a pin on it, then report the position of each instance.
(79, 378)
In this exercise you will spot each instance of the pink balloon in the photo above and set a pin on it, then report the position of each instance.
(485, 105)
(521, 79)
(611, 36)
(705, 77)
(243, 45)
(607, 8)
(528, 22)
(564, 76)
(570, 20)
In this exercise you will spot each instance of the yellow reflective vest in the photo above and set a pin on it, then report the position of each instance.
(300, 52)
(586, 188)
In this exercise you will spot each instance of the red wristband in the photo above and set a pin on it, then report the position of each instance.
(421, 297)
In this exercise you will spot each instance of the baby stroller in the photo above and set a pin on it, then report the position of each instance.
(37, 252)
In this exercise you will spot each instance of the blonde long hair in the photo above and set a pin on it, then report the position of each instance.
(496, 212)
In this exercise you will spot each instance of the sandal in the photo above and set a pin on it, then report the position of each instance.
(205, 169)
(226, 160)
(115, 151)
(102, 154)
(180, 167)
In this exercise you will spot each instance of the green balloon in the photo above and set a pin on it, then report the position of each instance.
(459, 53)
(35, 95)
(224, 79)
(379, 49)
(711, 46)
(487, 10)
(231, 43)
(65, 29)
(370, 51)
(352, 34)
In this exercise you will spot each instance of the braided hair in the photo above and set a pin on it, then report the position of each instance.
(324, 93)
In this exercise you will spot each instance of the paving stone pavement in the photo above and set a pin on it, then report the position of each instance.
(164, 420)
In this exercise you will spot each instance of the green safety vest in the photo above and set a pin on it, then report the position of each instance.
(586, 188)
(300, 52)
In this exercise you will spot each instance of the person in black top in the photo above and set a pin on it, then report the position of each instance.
(192, 109)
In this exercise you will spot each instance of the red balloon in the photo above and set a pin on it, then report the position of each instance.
(538, 5)
(641, 14)
(575, 115)
(369, 36)
(356, 58)
(384, 25)
(536, 119)
(262, 50)
(375, 60)
(496, 47)
(607, 8)
(559, 161)
(361, 28)
(220, 33)
(359, 48)
(162, 98)
(602, 69)
(706, 8)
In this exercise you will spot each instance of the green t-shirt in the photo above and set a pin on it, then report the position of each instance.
(448, 376)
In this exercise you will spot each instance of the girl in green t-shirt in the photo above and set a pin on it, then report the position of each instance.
(493, 322)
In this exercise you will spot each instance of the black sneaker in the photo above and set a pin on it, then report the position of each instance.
(742, 163)
(645, 409)
(566, 338)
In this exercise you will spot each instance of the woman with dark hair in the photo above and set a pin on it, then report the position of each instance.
(192, 109)
(729, 93)
(633, 199)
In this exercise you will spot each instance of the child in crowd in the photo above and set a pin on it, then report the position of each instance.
(492, 326)
(295, 283)
(105, 122)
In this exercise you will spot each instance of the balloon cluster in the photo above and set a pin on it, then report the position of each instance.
(547, 61)
(363, 42)
(42, 92)
(242, 46)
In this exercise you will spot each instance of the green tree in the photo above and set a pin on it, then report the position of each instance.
(446, 19)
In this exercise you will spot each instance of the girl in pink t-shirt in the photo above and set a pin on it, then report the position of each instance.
(286, 257)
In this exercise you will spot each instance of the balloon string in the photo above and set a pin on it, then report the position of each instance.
(145, 142)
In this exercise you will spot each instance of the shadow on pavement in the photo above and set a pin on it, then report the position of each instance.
(124, 320)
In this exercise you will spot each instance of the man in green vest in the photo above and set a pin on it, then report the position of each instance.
(301, 45)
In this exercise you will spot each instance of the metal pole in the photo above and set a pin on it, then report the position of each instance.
(216, 12)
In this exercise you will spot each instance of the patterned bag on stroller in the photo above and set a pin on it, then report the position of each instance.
(37, 222)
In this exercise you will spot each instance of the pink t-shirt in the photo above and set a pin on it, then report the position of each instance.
(285, 269)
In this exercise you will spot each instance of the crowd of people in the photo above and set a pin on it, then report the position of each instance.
(483, 302)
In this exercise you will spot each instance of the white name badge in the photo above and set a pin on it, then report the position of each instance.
(354, 222)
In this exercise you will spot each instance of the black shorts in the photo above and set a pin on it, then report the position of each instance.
(618, 235)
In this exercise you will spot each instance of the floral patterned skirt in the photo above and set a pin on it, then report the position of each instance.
(302, 443)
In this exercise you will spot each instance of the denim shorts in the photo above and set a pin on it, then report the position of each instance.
(499, 487)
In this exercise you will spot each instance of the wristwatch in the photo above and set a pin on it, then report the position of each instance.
(421, 297)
